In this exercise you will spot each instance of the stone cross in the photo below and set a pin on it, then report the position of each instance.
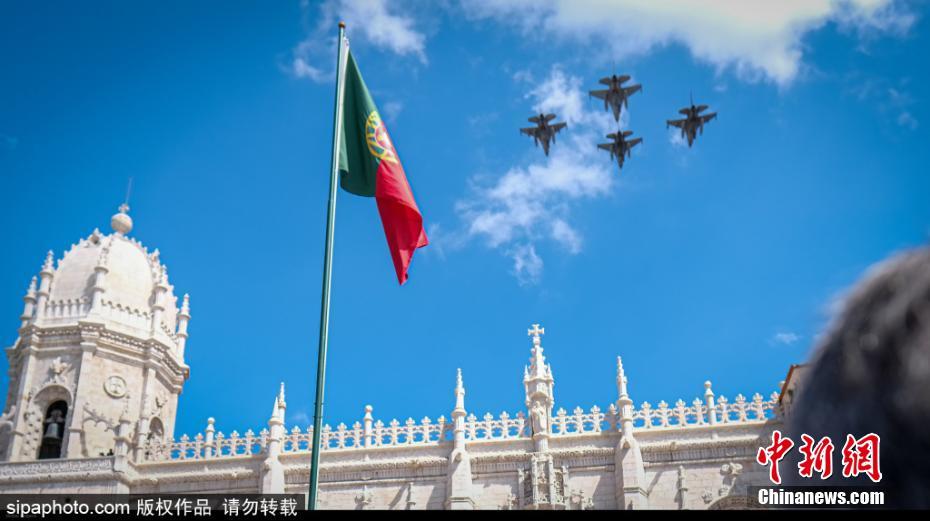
(536, 332)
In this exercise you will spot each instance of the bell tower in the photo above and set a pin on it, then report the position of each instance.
(101, 339)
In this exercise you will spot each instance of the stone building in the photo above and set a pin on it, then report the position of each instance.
(98, 366)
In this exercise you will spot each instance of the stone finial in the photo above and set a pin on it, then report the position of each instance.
(367, 423)
(459, 393)
(31, 292)
(49, 265)
(281, 396)
(186, 305)
(121, 222)
(709, 402)
(621, 379)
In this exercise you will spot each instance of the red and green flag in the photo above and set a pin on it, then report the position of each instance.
(369, 166)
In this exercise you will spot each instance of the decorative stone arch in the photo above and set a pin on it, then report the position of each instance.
(735, 503)
(34, 416)
(156, 430)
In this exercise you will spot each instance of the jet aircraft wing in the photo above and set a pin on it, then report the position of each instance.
(599, 94)
(679, 123)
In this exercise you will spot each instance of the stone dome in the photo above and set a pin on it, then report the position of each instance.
(131, 278)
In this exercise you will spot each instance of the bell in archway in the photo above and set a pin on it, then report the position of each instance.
(53, 426)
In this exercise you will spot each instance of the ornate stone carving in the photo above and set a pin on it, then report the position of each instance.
(115, 386)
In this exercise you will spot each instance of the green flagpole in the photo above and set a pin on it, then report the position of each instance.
(327, 276)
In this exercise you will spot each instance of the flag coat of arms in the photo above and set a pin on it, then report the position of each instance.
(369, 166)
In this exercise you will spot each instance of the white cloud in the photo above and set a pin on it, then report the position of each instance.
(392, 109)
(370, 21)
(566, 235)
(757, 38)
(906, 119)
(527, 266)
(785, 338)
(532, 203)
(892, 100)
(300, 418)
(676, 139)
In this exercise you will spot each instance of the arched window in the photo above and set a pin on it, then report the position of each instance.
(156, 431)
(53, 430)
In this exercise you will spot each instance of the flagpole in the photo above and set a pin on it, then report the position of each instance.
(327, 275)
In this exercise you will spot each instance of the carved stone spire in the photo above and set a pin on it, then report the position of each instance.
(272, 470)
(538, 383)
(184, 317)
(458, 414)
(29, 303)
(158, 306)
(45, 283)
(458, 479)
(624, 403)
(630, 477)
(100, 275)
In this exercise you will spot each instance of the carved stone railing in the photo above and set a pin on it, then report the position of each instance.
(580, 422)
(64, 309)
(377, 434)
(699, 413)
(500, 428)
(203, 447)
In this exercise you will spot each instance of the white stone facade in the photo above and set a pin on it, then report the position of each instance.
(102, 341)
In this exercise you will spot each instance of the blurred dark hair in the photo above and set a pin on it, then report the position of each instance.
(871, 373)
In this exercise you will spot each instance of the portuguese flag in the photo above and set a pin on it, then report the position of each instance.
(370, 167)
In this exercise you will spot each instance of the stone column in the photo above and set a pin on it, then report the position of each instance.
(121, 447)
(73, 447)
(18, 434)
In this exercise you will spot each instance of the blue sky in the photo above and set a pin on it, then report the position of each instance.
(718, 262)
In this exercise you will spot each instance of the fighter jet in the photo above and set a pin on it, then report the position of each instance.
(693, 122)
(543, 132)
(620, 147)
(616, 95)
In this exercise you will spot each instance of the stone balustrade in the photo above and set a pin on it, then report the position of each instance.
(377, 434)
